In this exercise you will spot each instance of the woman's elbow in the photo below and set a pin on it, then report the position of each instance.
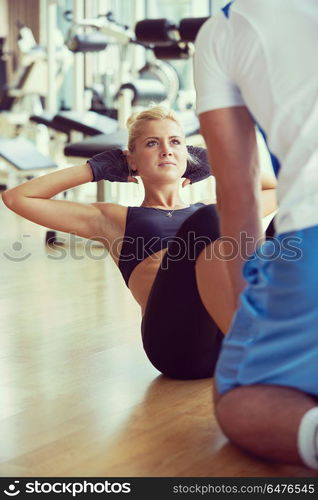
(8, 199)
(5, 198)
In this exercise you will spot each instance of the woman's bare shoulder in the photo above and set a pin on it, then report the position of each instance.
(110, 208)
(112, 212)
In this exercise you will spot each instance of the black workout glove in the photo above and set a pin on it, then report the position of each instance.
(200, 169)
(112, 165)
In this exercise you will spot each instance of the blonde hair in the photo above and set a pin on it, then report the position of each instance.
(137, 121)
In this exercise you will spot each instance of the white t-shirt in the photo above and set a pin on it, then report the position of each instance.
(264, 54)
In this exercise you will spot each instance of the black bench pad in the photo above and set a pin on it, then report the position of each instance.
(47, 120)
(88, 123)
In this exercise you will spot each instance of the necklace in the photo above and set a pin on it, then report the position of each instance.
(166, 213)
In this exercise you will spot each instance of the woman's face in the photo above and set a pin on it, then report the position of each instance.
(160, 152)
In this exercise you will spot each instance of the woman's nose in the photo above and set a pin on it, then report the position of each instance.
(165, 151)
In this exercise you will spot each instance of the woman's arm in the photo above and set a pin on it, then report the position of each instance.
(268, 201)
(268, 181)
(32, 200)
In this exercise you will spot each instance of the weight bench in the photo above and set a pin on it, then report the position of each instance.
(94, 145)
(23, 160)
(47, 120)
(53, 135)
(88, 123)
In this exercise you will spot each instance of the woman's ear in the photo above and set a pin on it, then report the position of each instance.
(131, 167)
(131, 162)
(132, 173)
(129, 159)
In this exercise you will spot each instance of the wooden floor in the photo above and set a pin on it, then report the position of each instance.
(78, 395)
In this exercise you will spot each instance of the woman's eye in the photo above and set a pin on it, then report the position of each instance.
(154, 143)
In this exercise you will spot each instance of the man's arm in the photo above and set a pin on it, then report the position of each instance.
(229, 134)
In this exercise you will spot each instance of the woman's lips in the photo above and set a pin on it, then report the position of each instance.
(163, 163)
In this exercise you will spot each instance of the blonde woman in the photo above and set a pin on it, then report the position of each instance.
(164, 248)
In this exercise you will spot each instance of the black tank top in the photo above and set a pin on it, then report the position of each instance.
(149, 230)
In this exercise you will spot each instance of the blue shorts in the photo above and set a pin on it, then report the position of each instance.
(273, 338)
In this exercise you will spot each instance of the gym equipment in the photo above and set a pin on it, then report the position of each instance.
(47, 119)
(103, 28)
(93, 42)
(97, 144)
(156, 82)
(166, 39)
(150, 31)
(88, 123)
(106, 28)
(144, 91)
(5, 101)
(98, 34)
(23, 160)
(174, 51)
(29, 80)
(164, 32)
(164, 73)
(189, 27)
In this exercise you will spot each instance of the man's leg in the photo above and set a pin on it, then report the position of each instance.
(266, 421)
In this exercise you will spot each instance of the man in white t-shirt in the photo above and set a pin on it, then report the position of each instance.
(256, 64)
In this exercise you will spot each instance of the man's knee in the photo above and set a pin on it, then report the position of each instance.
(204, 223)
(232, 411)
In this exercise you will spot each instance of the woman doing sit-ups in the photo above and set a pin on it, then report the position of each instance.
(166, 250)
